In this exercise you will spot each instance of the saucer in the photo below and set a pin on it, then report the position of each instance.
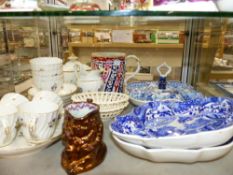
(67, 89)
(20, 147)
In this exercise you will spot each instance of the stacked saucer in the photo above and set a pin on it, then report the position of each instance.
(66, 92)
(190, 131)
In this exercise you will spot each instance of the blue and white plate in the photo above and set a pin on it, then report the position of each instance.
(226, 87)
(147, 91)
(195, 123)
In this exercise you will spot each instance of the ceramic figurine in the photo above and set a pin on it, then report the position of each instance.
(82, 136)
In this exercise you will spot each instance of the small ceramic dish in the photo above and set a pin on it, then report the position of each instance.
(146, 91)
(202, 122)
(176, 155)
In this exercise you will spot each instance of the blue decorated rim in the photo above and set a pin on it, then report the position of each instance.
(80, 110)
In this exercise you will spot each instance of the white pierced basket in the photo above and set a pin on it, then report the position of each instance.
(111, 103)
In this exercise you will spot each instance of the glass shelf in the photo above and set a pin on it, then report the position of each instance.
(117, 13)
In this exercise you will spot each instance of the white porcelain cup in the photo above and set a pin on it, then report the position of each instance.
(45, 64)
(47, 73)
(13, 98)
(8, 119)
(39, 120)
(49, 83)
(49, 96)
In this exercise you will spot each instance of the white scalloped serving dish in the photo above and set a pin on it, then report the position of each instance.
(175, 155)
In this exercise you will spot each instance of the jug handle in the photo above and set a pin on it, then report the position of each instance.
(137, 70)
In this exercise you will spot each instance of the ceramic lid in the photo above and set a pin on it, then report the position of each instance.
(70, 65)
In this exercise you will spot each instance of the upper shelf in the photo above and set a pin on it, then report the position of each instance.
(115, 13)
(187, 8)
(128, 45)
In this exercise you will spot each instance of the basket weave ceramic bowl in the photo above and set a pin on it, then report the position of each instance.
(111, 103)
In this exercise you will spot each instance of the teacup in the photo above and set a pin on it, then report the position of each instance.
(49, 83)
(47, 73)
(45, 64)
(13, 98)
(39, 120)
(49, 96)
(8, 119)
(52, 97)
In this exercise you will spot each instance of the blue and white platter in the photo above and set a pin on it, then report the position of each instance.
(202, 122)
(147, 91)
(226, 87)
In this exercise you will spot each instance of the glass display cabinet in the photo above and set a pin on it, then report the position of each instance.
(198, 45)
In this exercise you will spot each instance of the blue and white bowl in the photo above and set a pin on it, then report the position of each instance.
(202, 122)
(146, 91)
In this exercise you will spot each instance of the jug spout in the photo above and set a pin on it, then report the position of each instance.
(81, 110)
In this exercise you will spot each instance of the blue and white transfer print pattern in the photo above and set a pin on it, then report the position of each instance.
(160, 119)
(149, 91)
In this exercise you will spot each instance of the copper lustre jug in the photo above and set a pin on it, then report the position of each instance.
(82, 137)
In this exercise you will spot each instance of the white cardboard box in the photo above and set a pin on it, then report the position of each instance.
(122, 36)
